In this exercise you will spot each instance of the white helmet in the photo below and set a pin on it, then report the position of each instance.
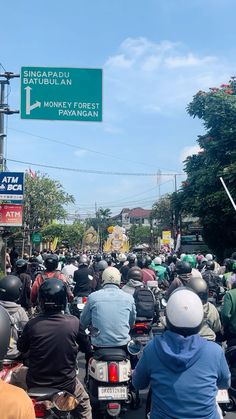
(209, 256)
(184, 312)
(122, 257)
(182, 256)
(111, 276)
(157, 261)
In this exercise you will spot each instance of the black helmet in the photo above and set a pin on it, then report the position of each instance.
(199, 286)
(210, 265)
(5, 332)
(98, 257)
(183, 268)
(51, 262)
(52, 295)
(135, 273)
(10, 288)
(147, 261)
(131, 257)
(83, 260)
(21, 265)
(102, 265)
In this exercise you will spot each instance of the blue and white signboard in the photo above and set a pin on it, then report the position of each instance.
(11, 186)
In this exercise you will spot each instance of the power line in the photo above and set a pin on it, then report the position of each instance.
(97, 172)
(81, 148)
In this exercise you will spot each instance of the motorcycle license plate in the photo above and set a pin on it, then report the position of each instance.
(112, 393)
(222, 396)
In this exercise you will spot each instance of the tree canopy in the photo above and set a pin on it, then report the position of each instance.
(44, 201)
(202, 193)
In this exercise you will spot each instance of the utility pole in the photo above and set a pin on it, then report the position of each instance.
(4, 110)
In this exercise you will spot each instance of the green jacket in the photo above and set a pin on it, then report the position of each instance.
(228, 312)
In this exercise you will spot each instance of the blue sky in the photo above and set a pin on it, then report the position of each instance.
(155, 56)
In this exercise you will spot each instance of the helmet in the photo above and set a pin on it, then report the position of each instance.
(135, 273)
(199, 286)
(51, 262)
(111, 276)
(157, 261)
(147, 261)
(183, 268)
(52, 295)
(210, 265)
(98, 257)
(131, 258)
(184, 312)
(10, 288)
(209, 256)
(5, 332)
(83, 260)
(21, 265)
(102, 265)
(122, 257)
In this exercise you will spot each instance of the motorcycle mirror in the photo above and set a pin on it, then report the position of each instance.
(64, 401)
(134, 347)
(163, 302)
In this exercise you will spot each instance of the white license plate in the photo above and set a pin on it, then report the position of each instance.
(222, 396)
(80, 306)
(112, 393)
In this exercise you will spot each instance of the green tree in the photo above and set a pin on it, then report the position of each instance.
(139, 235)
(162, 213)
(44, 201)
(101, 222)
(202, 193)
(73, 233)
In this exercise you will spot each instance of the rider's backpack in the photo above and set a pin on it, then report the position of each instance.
(144, 301)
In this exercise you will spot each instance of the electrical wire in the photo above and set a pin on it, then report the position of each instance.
(97, 172)
(82, 148)
(70, 169)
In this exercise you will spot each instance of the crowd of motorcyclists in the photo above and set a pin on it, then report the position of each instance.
(120, 288)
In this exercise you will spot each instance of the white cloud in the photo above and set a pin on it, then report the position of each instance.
(189, 60)
(144, 76)
(80, 153)
(119, 61)
(189, 151)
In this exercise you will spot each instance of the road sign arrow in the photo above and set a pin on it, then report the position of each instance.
(30, 107)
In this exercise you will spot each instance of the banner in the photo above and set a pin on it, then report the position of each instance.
(11, 215)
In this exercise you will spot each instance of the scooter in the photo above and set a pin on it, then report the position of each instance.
(52, 403)
(109, 381)
(77, 305)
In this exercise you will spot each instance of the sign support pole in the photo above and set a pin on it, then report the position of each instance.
(4, 109)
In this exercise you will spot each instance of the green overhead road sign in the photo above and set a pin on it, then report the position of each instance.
(61, 93)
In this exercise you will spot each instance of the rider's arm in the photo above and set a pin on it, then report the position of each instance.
(34, 289)
(86, 318)
(223, 381)
(226, 310)
(23, 342)
(141, 376)
(132, 315)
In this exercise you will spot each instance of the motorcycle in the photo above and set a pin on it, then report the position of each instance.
(11, 365)
(77, 305)
(109, 381)
(52, 403)
(230, 355)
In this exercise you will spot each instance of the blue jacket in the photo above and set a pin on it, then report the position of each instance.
(184, 374)
(112, 311)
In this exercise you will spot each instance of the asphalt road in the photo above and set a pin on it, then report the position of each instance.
(131, 414)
